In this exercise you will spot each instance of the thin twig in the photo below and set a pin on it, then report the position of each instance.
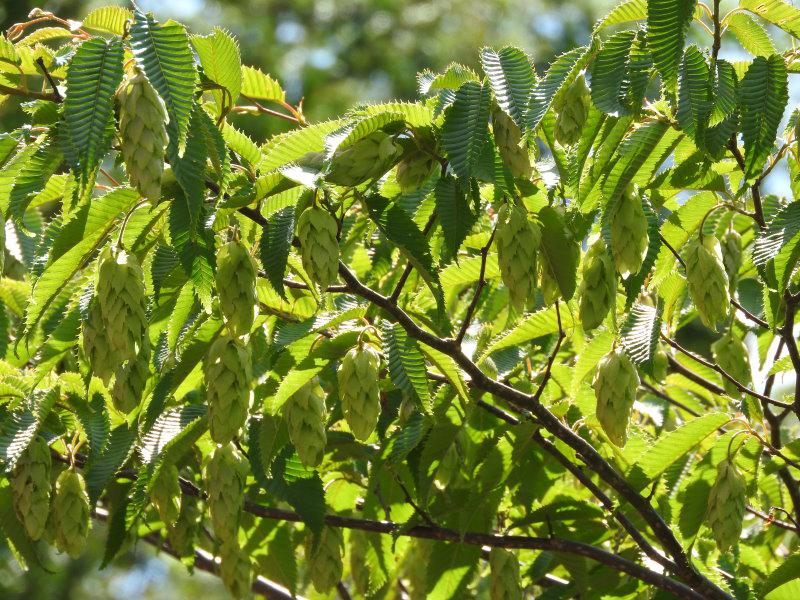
(478, 289)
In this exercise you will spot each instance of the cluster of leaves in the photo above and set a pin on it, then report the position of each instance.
(488, 422)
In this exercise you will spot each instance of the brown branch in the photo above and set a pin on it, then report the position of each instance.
(755, 192)
(553, 424)
(755, 319)
(49, 78)
(12, 91)
(717, 33)
(715, 367)
(205, 561)
(478, 289)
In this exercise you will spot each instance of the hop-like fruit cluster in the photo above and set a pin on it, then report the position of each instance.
(70, 513)
(227, 370)
(413, 170)
(732, 254)
(30, 487)
(504, 583)
(236, 285)
(235, 569)
(143, 127)
(517, 241)
(573, 110)
(368, 158)
(359, 569)
(706, 279)
(305, 418)
(96, 345)
(121, 296)
(615, 384)
(660, 363)
(359, 389)
(319, 248)
(226, 474)
(324, 556)
(512, 148)
(182, 533)
(628, 233)
(166, 494)
(726, 505)
(131, 380)
(730, 354)
(598, 286)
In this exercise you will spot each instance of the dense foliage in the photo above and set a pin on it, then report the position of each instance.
(531, 335)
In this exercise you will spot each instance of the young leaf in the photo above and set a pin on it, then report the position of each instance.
(667, 22)
(763, 97)
(511, 77)
(465, 128)
(93, 76)
(276, 242)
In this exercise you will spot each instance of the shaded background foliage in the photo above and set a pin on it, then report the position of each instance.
(333, 54)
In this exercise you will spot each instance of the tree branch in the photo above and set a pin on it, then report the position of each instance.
(478, 289)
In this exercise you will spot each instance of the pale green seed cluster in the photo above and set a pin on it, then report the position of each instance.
(143, 128)
(236, 286)
(359, 389)
(324, 558)
(413, 170)
(235, 569)
(517, 241)
(30, 487)
(598, 286)
(726, 505)
(96, 345)
(131, 380)
(732, 255)
(121, 297)
(70, 513)
(573, 110)
(227, 370)
(319, 248)
(707, 280)
(415, 568)
(225, 477)
(730, 354)
(182, 533)
(368, 158)
(166, 494)
(615, 384)
(511, 146)
(504, 582)
(628, 233)
(305, 415)
(359, 568)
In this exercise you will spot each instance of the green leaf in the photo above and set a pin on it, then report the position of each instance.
(23, 424)
(276, 242)
(452, 78)
(724, 115)
(511, 77)
(778, 246)
(763, 97)
(667, 23)
(788, 571)
(694, 95)
(465, 129)
(406, 364)
(535, 325)
(395, 223)
(610, 74)
(626, 11)
(241, 144)
(561, 253)
(751, 34)
(673, 446)
(222, 64)
(298, 376)
(640, 332)
(287, 147)
(108, 19)
(259, 86)
(562, 70)
(93, 76)
(353, 132)
(778, 12)
(109, 460)
(59, 272)
(32, 179)
(406, 438)
(164, 54)
(449, 570)
(634, 283)
(455, 214)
